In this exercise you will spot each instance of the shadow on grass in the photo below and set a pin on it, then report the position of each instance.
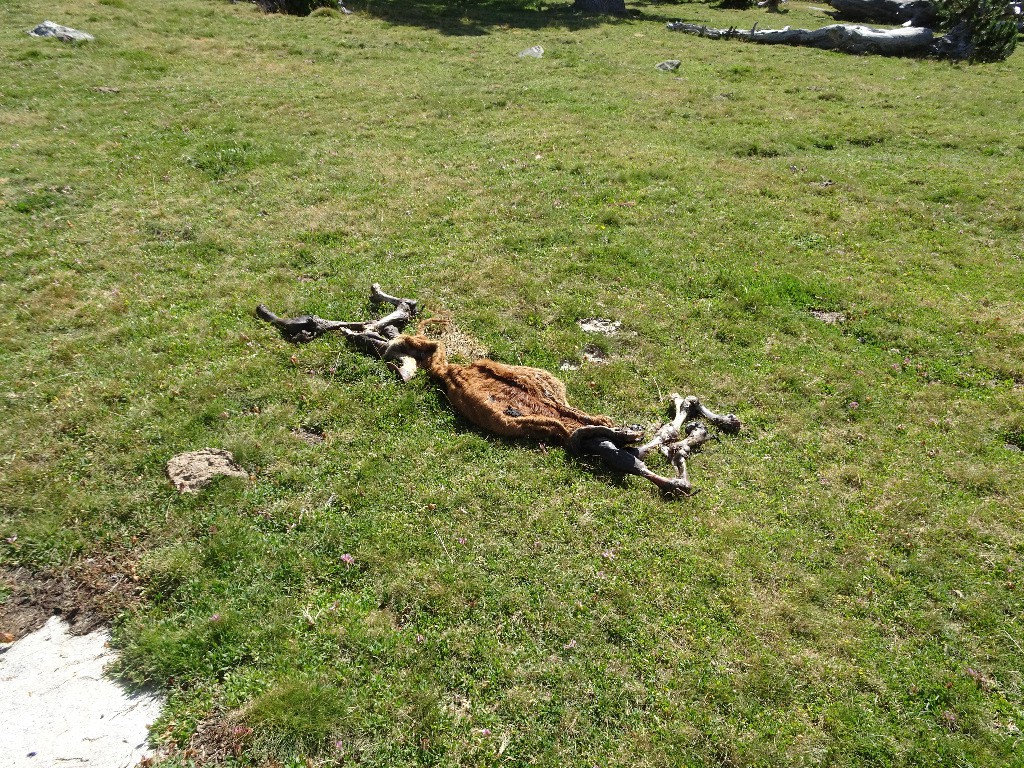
(481, 17)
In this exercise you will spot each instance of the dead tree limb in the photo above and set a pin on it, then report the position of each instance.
(848, 38)
(514, 400)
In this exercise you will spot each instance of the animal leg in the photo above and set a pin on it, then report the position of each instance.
(729, 423)
(679, 451)
(667, 439)
(379, 337)
(669, 431)
(628, 460)
(305, 328)
(596, 432)
(377, 296)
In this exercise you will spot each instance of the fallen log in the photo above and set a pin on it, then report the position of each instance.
(848, 38)
(514, 400)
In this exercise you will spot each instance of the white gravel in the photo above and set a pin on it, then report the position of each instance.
(57, 708)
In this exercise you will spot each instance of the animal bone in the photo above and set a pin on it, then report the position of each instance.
(375, 336)
(514, 400)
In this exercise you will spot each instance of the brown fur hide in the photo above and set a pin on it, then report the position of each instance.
(508, 400)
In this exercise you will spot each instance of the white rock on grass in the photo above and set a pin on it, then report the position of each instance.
(534, 52)
(57, 708)
(67, 34)
(600, 325)
(196, 469)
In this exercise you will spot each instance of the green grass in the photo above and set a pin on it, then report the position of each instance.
(843, 591)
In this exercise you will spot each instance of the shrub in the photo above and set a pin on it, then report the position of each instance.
(988, 26)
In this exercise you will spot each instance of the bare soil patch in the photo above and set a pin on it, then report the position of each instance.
(87, 595)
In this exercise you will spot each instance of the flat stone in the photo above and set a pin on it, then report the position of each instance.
(671, 65)
(535, 52)
(67, 34)
(196, 469)
(57, 708)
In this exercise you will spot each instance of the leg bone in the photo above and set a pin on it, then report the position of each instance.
(628, 460)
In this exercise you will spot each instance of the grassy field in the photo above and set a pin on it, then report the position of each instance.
(845, 590)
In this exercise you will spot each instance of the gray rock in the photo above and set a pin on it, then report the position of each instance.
(669, 66)
(536, 52)
(67, 34)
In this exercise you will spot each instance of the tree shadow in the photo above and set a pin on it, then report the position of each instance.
(481, 17)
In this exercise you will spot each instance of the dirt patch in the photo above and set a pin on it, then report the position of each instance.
(309, 434)
(215, 741)
(832, 318)
(86, 595)
(218, 738)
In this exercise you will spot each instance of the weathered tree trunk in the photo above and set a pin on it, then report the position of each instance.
(601, 6)
(920, 13)
(848, 38)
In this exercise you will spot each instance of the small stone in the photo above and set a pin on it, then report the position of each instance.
(66, 34)
(600, 325)
(595, 356)
(671, 65)
(196, 469)
(535, 52)
(568, 365)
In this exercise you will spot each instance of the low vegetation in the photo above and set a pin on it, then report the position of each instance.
(829, 246)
